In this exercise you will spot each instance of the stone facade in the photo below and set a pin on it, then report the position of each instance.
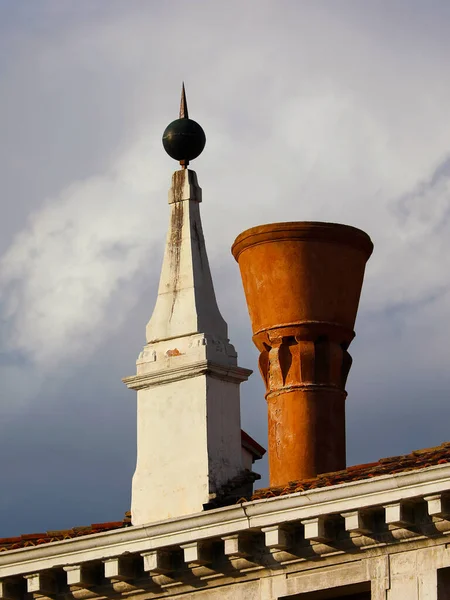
(384, 538)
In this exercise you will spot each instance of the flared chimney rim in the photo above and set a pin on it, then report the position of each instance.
(303, 230)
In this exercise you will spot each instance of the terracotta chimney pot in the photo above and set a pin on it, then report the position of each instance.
(302, 283)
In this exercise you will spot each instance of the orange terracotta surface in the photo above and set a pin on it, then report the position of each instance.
(313, 272)
(306, 433)
(302, 283)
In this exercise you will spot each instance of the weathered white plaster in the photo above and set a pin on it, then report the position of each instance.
(438, 505)
(236, 546)
(276, 537)
(186, 302)
(193, 428)
(398, 513)
(247, 459)
(156, 562)
(120, 568)
(315, 529)
(80, 575)
(187, 380)
(356, 522)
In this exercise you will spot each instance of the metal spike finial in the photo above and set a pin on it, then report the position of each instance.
(184, 139)
(183, 104)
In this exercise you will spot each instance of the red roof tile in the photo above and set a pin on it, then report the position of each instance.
(419, 459)
(36, 539)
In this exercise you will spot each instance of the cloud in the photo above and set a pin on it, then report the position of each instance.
(312, 111)
(62, 269)
(416, 258)
(324, 138)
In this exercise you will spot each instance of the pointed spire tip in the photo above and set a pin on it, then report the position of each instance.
(184, 139)
(183, 104)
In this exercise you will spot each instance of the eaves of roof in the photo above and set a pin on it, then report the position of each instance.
(415, 461)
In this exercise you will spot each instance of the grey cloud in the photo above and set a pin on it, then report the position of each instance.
(311, 110)
(404, 206)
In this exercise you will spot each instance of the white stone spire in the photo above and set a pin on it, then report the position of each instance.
(186, 301)
(189, 432)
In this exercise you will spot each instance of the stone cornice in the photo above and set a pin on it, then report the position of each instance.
(178, 373)
(304, 507)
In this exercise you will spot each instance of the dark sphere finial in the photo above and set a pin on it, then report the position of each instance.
(184, 139)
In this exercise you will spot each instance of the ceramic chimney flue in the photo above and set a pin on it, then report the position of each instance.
(302, 283)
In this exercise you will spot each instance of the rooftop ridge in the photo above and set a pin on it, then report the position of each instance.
(36, 539)
(415, 460)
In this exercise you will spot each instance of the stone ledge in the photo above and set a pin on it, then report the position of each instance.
(204, 367)
(328, 504)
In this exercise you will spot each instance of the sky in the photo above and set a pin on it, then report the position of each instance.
(313, 110)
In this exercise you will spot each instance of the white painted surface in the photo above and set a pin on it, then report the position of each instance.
(247, 459)
(186, 302)
(188, 446)
(187, 380)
